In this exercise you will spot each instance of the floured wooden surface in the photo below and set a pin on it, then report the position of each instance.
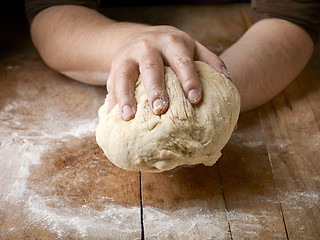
(56, 183)
(188, 202)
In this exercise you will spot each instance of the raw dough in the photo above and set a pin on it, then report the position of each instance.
(185, 134)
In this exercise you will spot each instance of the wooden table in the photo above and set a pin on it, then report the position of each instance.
(56, 183)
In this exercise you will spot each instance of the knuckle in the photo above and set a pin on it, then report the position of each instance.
(176, 35)
(149, 64)
(189, 83)
(183, 61)
(172, 37)
(144, 45)
(187, 80)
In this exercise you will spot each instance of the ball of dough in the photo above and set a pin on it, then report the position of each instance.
(185, 134)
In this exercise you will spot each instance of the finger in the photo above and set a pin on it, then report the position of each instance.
(152, 74)
(112, 101)
(111, 97)
(205, 55)
(125, 75)
(181, 60)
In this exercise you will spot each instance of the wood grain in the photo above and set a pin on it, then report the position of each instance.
(55, 180)
(248, 184)
(292, 131)
(56, 183)
(184, 203)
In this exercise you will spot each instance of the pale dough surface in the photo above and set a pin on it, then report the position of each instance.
(185, 134)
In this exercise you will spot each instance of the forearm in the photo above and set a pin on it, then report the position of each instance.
(79, 42)
(85, 46)
(266, 59)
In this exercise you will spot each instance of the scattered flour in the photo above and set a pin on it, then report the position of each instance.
(246, 225)
(187, 223)
(30, 129)
(301, 200)
(112, 221)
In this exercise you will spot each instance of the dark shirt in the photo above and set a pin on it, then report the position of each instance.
(304, 13)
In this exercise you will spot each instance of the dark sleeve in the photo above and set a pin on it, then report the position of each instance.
(304, 13)
(33, 7)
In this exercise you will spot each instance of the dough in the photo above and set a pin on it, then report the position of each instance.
(185, 134)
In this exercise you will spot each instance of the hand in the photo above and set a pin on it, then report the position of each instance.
(146, 53)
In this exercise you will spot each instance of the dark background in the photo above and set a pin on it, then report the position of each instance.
(14, 26)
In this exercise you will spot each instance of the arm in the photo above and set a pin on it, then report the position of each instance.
(85, 45)
(266, 59)
(79, 42)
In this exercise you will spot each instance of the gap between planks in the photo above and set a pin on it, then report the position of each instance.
(272, 171)
(224, 200)
(141, 207)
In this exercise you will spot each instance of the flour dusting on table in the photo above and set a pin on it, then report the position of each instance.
(37, 120)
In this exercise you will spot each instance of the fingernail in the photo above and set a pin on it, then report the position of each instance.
(194, 95)
(226, 73)
(159, 105)
(127, 112)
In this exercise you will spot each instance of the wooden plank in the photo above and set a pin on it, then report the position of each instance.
(55, 182)
(184, 204)
(291, 123)
(247, 180)
(310, 84)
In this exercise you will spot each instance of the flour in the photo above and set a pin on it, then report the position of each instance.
(112, 221)
(36, 118)
(301, 200)
(186, 223)
(23, 148)
(250, 224)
